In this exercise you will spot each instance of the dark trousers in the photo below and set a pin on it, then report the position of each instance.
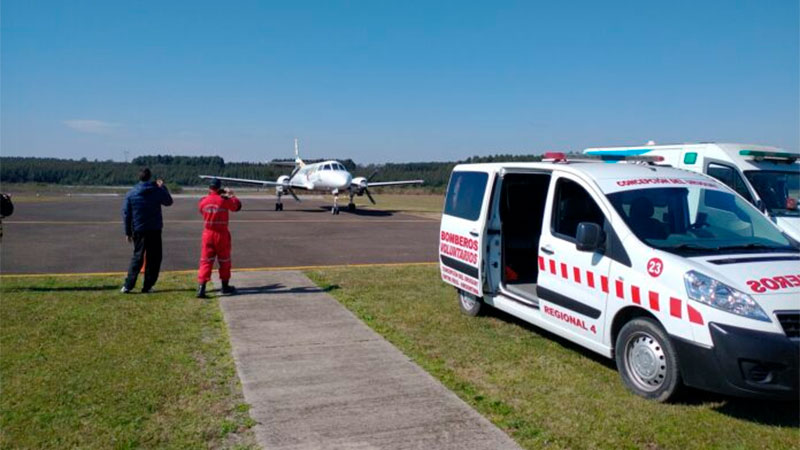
(146, 249)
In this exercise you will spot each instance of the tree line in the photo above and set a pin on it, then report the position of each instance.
(184, 170)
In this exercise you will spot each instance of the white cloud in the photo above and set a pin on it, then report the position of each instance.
(91, 126)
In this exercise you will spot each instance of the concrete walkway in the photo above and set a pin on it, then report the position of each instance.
(316, 377)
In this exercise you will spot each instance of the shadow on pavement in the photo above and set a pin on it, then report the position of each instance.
(361, 212)
(278, 288)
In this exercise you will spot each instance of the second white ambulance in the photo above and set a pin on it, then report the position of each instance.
(665, 270)
(768, 177)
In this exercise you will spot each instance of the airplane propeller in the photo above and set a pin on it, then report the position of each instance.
(291, 191)
(369, 196)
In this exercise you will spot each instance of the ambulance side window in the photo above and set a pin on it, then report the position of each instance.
(465, 194)
(572, 206)
(731, 178)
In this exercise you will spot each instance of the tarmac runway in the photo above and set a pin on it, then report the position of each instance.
(85, 234)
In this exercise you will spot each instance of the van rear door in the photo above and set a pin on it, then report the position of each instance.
(461, 249)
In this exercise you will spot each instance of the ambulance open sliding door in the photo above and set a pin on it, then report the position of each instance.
(463, 228)
(573, 285)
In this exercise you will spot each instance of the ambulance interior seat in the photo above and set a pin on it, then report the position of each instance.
(521, 211)
(642, 221)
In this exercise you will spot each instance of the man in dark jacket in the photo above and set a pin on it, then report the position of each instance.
(141, 214)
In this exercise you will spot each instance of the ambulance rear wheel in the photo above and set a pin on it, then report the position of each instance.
(469, 304)
(647, 360)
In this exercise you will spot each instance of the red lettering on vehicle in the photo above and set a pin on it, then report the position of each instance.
(755, 286)
(774, 283)
(568, 318)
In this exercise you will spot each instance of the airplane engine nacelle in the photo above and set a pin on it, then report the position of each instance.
(283, 187)
(361, 182)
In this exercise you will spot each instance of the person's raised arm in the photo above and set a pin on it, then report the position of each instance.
(231, 202)
(166, 198)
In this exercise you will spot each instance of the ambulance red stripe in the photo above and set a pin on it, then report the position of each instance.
(620, 289)
(635, 295)
(694, 315)
(654, 301)
(590, 278)
(576, 272)
(541, 263)
(564, 271)
(604, 283)
(553, 266)
(675, 307)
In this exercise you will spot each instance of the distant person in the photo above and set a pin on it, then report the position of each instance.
(141, 214)
(6, 209)
(216, 238)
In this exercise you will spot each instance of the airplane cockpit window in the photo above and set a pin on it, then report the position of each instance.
(326, 167)
(340, 167)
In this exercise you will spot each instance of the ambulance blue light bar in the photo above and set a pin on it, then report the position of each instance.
(609, 157)
(759, 154)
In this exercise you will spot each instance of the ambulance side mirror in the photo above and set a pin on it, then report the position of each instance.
(589, 237)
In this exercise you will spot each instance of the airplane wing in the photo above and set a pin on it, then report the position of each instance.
(393, 183)
(241, 180)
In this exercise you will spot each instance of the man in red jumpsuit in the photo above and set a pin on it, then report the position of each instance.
(216, 238)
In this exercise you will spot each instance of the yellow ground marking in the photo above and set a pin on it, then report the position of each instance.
(117, 222)
(246, 269)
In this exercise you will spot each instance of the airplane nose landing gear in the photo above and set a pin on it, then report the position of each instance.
(335, 209)
(279, 203)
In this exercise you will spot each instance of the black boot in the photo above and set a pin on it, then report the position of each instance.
(201, 290)
(227, 288)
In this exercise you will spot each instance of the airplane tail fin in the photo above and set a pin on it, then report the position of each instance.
(299, 162)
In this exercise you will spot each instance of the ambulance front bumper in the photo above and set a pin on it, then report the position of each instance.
(743, 363)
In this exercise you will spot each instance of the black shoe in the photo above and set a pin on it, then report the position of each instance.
(149, 290)
(201, 290)
(228, 289)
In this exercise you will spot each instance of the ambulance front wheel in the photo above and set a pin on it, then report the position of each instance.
(470, 305)
(647, 360)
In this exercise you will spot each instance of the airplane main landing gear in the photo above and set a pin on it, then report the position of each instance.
(279, 203)
(351, 207)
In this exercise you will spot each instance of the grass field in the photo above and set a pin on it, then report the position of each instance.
(83, 366)
(542, 390)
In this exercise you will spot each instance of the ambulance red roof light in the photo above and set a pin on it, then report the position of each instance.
(555, 157)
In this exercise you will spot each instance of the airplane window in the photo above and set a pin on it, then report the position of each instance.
(327, 167)
(341, 167)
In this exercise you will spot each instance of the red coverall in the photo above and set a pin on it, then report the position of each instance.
(216, 237)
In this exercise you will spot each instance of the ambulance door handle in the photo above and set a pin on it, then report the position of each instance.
(546, 250)
(474, 233)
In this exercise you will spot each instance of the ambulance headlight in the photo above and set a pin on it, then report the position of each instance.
(717, 294)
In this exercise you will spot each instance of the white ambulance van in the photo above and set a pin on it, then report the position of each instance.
(768, 177)
(665, 270)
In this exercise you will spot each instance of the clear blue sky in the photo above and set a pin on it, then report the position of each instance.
(384, 81)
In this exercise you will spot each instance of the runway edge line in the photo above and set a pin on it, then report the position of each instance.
(244, 269)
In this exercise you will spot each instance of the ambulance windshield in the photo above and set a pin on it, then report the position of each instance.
(695, 221)
(778, 190)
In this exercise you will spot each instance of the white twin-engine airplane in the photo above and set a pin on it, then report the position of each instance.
(322, 176)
